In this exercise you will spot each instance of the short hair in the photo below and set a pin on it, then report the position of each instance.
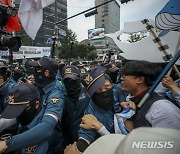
(148, 70)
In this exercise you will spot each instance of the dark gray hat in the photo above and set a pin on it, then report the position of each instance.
(94, 79)
(71, 71)
(111, 67)
(19, 97)
(46, 62)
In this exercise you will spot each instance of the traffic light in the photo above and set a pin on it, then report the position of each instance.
(125, 1)
(91, 13)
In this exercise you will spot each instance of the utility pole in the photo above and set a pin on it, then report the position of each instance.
(54, 50)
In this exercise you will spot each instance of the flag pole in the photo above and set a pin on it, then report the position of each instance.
(158, 80)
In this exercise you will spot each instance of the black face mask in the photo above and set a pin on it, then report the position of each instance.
(73, 88)
(28, 114)
(104, 100)
(41, 80)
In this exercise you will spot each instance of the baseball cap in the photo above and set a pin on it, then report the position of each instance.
(19, 97)
(71, 71)
(2, 64)
(77, 63)
(94, 79)
(141, 141)
(94, 63)
(111, 67)
(82, 71)
(46, 62)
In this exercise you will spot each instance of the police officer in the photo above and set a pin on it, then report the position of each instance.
(81, 67)
(24, 104)
(99, 88)
(5, 85)
(76, 101)
(51, 92)
(93, 64)
(113, 72)
(52, 98)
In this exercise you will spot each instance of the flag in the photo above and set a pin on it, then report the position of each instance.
(31, 15)
(168, 19)
(13, 21)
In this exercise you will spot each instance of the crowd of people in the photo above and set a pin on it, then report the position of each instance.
(54, 108)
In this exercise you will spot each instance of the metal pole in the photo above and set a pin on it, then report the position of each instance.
(54, 49)
(83, 12)
(158, 80)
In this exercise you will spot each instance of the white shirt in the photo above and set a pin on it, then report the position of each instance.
(164, 114)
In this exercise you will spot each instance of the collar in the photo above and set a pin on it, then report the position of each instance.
(142, 93)
(136, 99)
(37, 119)
(49, 87)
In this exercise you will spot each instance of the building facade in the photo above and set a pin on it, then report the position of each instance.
(46, 31)
(108, 16)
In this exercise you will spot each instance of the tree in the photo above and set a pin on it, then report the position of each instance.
(135, 37)
(66, 50)
(71, 49)
(92, 55)
(70, 37)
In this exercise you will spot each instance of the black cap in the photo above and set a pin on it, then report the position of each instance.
(94, 63)
(71, 71)
(82, 71)
(19, 97)
(111, 68)
(77, 63)
(2, 64)
(94, 79)
(45, 62)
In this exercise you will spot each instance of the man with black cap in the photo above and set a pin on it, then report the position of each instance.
(24, 105)
(99, 88)
(113, 71)
(93, 64)
(52, 98)
(81, 67)
(5, 84)
(76, 101)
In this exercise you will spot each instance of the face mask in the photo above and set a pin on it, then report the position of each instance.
(41, 80)
(28, 114)
(73, 88)
(104, 100)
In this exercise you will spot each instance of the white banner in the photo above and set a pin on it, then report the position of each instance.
(28, 52)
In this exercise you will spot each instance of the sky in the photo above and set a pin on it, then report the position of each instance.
(132, 11)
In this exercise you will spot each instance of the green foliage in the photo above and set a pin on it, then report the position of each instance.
(25, 40)
(70, 37)
(70, 48)
(75, 50)
(135, 37)
(92, 55)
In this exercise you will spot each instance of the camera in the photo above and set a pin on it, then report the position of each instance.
(7, 41)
